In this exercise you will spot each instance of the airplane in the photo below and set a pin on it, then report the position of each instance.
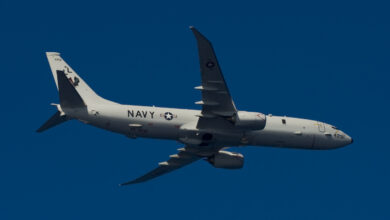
(205, 134)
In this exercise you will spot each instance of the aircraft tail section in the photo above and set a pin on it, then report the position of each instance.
(69, 96)
(73, 91)
(69, 99)
(59, 67)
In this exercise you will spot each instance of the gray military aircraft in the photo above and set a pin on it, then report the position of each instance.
(205, 133)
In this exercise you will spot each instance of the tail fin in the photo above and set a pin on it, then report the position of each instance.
(69, 97)
(73, 91)
(57, 64)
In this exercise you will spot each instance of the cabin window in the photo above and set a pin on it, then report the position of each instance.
(284, 121)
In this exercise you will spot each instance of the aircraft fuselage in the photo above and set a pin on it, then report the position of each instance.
(180, 124)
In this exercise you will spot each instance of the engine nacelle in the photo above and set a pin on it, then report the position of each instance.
(250, 120)
(227, 160)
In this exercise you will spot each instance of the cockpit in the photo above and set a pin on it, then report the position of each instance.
(330, 136)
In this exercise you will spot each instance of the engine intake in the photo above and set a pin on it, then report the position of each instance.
(227, 160)
(250, 120)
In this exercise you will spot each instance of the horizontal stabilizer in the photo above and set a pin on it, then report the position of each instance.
(55, 120)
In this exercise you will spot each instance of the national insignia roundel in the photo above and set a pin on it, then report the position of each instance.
(210, 64)
(168, 116)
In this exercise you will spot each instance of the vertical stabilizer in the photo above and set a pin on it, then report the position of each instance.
(85, 92)
(69, 97)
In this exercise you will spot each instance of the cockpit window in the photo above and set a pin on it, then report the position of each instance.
(334, 127)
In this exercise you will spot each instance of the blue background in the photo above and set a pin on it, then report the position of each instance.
(327, 61)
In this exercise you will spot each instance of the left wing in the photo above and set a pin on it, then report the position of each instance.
(176, 161)
(216, 98)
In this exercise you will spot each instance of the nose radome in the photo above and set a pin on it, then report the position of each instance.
(349, 139)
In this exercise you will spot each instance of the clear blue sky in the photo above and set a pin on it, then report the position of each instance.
(327, 61)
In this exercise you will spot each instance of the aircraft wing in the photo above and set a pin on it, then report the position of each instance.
(216, 99)
(176, 161)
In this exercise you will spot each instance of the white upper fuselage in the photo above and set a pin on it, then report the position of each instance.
(180, 124)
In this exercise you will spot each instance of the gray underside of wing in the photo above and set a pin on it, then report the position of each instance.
(175, 162)
(216, 98)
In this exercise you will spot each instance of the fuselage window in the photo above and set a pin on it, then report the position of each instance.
(284, 121)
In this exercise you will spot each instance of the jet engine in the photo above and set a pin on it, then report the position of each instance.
(227, 160)
(250, 120)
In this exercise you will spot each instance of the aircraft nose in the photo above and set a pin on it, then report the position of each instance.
(349, 140)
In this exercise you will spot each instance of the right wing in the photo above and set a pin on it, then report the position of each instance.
(176, 161)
